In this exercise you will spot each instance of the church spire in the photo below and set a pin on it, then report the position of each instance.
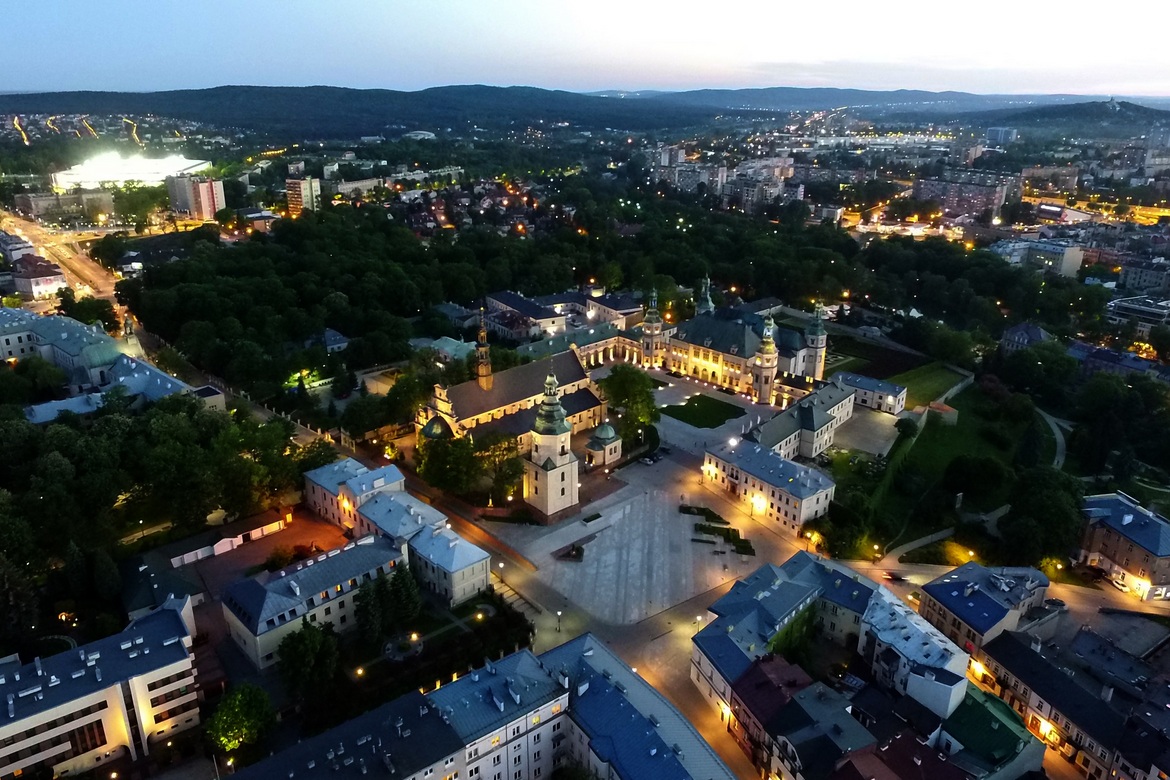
(768, 343)
(652, 315)
(703, 304)
(483, 355)
(550, 419)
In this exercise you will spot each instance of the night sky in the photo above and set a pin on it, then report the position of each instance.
(993, 46)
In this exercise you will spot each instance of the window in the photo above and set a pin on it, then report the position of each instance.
(557, 725)
(328, 611)
(536, 756)
(517, 759)
(496, 760)
(536, 738)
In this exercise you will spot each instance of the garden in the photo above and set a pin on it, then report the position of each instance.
(703, 411)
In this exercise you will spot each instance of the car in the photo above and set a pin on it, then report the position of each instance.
(647, 461)
(893, 576)
(1121, 586)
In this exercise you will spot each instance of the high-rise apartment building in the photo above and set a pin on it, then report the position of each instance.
(303, 195)
(196, 196)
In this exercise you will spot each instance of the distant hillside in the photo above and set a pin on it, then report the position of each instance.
(823, 98)
(1110, 112)
(350, 112)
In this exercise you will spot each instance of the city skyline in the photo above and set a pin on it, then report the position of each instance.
(575, 48)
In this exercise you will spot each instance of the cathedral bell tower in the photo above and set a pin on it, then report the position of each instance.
(703, 304)
(817, 341)
(483, 356)
(653, 345)
(550, 473)
(764, 365)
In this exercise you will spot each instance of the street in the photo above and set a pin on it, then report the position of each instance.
(84, 275)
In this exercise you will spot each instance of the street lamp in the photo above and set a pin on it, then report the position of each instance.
(558, 621)
(501, 565)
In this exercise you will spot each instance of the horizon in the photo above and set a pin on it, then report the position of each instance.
(752, 44)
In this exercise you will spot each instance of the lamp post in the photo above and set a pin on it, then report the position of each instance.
(501, 565)
(807, 541)
(558, 621)
(215, 763)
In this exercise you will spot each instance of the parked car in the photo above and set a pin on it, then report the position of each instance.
(1121, 586)
(893, 576)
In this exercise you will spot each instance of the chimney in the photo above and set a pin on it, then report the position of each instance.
(1107, 693)
(968, 589)
(1126, 519)
(1036, 644)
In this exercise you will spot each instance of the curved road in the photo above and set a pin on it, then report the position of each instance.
(1058, 458)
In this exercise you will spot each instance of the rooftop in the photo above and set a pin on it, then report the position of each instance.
(142, 379)
(768, 684)
(1054, 684)
(148, 643)
(282, 596)
(629, 723)
(332, 476)
(526, 306)
(859, 382)
(400, 515)
(799, 481)
(1026, 333)
(818, 724)
(1127, 517)
(492, 697)
(987, 727)
(514, 385)
(982, 597)
(809, 413)
(898, 626)
(446, 549)
(368, 481)
(397, 739)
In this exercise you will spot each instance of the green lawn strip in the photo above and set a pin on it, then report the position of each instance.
(926, 383)
(703, 411)
(853, 365)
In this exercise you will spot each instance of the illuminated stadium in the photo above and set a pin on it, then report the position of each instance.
(112, 168)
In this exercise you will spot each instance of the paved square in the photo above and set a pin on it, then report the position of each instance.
(868, 430)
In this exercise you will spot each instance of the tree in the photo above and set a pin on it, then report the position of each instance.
(243, 717)
(499, 456)
(107, 582)
(906, 428)
(18, 604)
(632, 390)
(450, 464)
(369, 615)
(87, 310)
(1160, 340)
(225, 217)
(404, 595)
(308, 660)
(1045, 517)
(76, 570)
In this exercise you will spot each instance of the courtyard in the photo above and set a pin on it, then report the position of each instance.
(703, 411)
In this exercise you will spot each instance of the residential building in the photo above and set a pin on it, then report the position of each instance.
(543, 319)
(757, 697)
(596, 307)
(974, 604)
(262, 611)
(874, 393)
(1002, 136)
(962, 191)
(911, 657)
(448, 565)
(905, 755)
(336, 491)
(53, 205)
(1021, 336)
(84, 352)
(457, 315)
(1114, 361)
(1145, 312)
(743, 622)
(397, 516)
(1147, 276)
(406, 738)
(118, 697)
(551, 471)
(303, 195)
(1052, 256)
(771, 486)
(1130, 542)
(14, 247)
(37, 278)
(814, 731)
(511, 716)
(135, 379)
(331, 340)
(986, 738)
(807, 427)
(518, 718)
(196, 196)
(1054, 706)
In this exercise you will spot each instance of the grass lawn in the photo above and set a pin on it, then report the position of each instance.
(926, 383)
(703, 411)
(854, 365)
(1048, 442)
(948, 552)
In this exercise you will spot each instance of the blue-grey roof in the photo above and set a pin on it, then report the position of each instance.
(287, 592)
(523, 421)
(1124, 515)
(981, 597)
(765, 465)
(142, 379)
(581, 337)
(446, 550)
(1026, 334)
(860, 382)
(397, 739)
(150, 642)
(333, 475)
(526, 306)
(400, 515)
(332, 338)
(809, 413)
(367, 480)
(486, 700)
(88, 345)
(50, 410)
(629, 724)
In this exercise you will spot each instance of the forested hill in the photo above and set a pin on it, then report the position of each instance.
(349, 112)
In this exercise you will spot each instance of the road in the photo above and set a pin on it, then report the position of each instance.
(83, 274)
